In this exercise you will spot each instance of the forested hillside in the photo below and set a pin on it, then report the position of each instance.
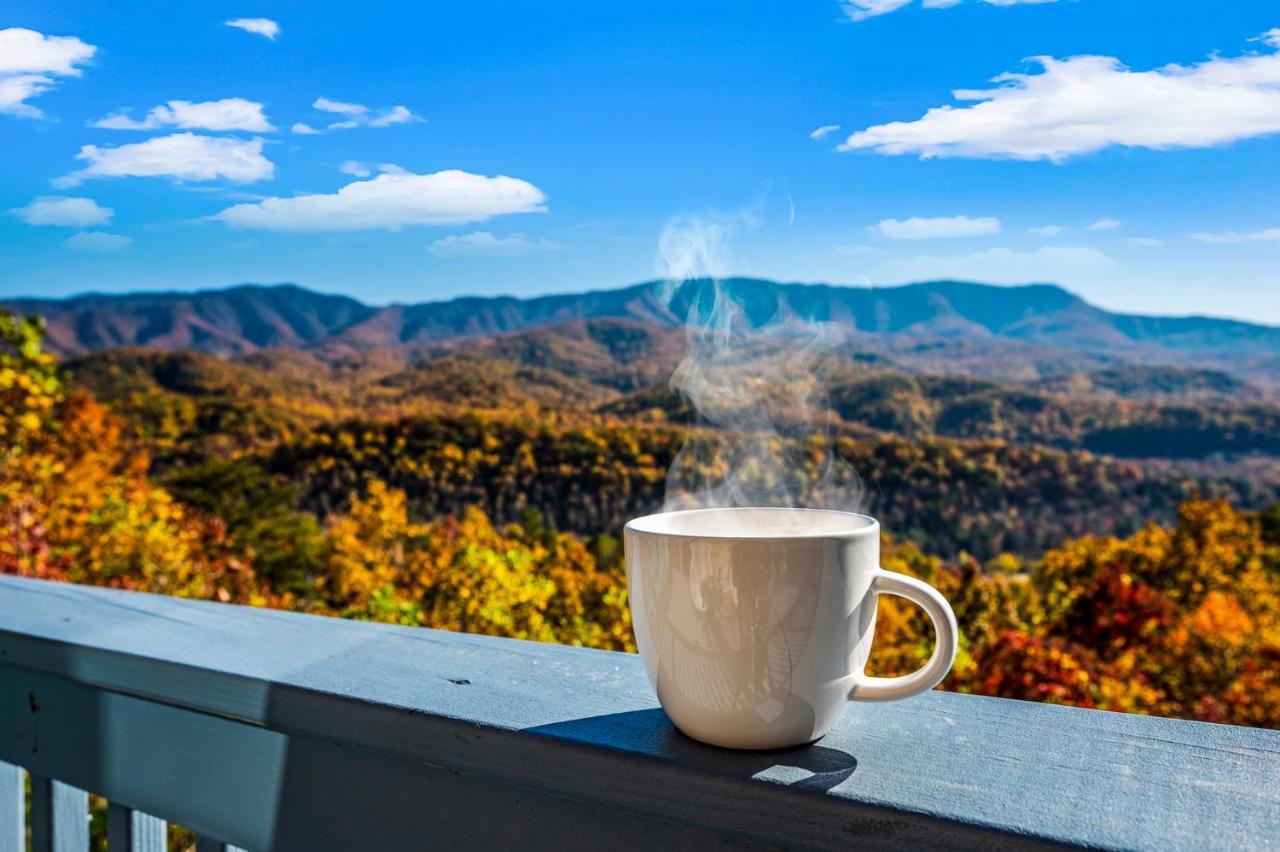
(577, 422)
(1109, 537)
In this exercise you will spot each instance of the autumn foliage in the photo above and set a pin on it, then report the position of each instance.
(421, 522)
(465, 574)
(75, 500)
(1173, 621)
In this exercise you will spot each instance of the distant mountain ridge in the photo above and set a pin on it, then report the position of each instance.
(952, 319)
(231, 320)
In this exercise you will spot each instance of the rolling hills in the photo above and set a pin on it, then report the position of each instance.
(618, 369)
(957, 464)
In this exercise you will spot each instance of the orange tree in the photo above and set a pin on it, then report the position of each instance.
(75, 501)
(1175, 621)
(1186, 620)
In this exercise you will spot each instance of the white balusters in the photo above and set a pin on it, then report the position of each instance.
(132, 831)
(13, 827)
(59, 816)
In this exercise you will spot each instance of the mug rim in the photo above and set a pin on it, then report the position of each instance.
(866, 525)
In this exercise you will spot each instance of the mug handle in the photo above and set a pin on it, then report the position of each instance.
(944, 651)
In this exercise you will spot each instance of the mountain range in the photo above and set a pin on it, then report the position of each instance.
(1019, 333)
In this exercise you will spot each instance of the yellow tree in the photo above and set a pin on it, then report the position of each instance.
(75, 501)
(466, 574)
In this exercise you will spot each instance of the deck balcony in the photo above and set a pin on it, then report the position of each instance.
(266, 730)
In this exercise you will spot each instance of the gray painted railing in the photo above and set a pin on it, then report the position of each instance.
(273, 730)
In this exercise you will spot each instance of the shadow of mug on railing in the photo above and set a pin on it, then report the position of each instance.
(812, 767)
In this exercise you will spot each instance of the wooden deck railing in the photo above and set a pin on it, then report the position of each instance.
(271, 730)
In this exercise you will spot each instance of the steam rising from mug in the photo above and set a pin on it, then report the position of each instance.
(754, 375)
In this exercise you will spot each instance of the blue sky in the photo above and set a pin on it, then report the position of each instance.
(541, 147)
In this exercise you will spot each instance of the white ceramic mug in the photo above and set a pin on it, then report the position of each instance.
(755, 624)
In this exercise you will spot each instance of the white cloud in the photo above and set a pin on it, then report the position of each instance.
(259, 26)
(180, 157)
(28, 63)
(62, 210)
(97, 241)
(16, 90)
(29, 52)
(485, 244)
(1267, 235)
(396, 115)
(1102, 225)
(1083, 104)
(824, 130)
(938, 227)
(326, 105)
(1047, 230)
(393, 200)
(355, 115)
(1001, 266)
(226, 114)
(1144, 242)
(860, 10)
(352, 167)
